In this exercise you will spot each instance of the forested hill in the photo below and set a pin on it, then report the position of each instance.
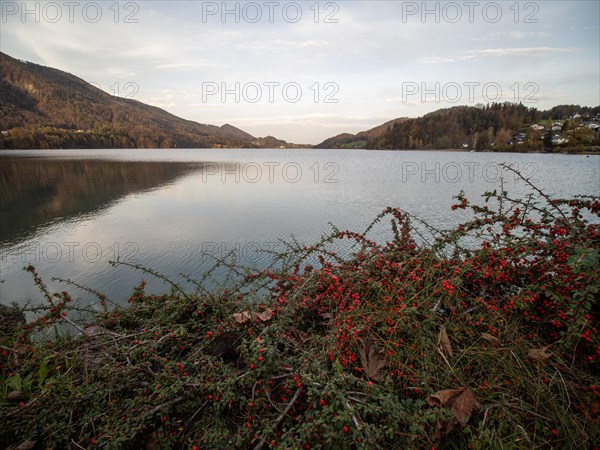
(495, 126)
(42, 107)
(500, 127)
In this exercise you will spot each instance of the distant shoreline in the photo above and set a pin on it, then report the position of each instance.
(588, 152)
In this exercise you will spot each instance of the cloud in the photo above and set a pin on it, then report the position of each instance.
(516, 35)
(476, 55)
(179, 66)
(369, 53)
(206, 105)
(280, 44)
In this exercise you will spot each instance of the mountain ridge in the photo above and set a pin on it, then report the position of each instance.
(491, 127)
(44, 107)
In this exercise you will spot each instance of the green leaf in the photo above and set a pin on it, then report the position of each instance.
(43, 371)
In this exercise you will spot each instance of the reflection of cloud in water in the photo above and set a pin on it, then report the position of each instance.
(38, 192)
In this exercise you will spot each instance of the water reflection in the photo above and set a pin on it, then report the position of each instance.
(36, 192)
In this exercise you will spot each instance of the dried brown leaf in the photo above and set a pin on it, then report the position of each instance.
(25, 445)
(21, 349)
(462, 402)
(443, 428)
(464, 405)
(267, 314)
(539, 354)
(442, 398)
(247, 316)
(492, 340)
(372, 361)
(444, 342)
(242, 317)
(300, 337)
(15, 397)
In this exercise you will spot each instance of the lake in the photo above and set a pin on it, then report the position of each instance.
(69, 212)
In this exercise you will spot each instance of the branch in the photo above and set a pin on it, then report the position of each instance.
(164, 405)
(281, 416)
(286, 410)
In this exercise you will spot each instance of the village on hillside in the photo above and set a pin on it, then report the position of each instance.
(575, 129)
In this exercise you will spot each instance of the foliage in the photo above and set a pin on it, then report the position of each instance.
(492, 126)
(486, 336)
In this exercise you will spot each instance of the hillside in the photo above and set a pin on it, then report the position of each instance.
(359, 140)
(499, 127)
(42, 107)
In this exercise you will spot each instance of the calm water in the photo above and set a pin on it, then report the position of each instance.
(70, 212)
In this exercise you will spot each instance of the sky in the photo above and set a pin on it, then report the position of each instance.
(308, 70)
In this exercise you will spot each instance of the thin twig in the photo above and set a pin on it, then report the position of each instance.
(75, 443)
(191, 421)
(286, 410)
(354, 419)
(165, 404)
(155, 274)
(281, 416)
(538, 190)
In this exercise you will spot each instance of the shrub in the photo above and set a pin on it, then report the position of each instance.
(484, 337)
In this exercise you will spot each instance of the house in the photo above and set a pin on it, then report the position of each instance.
(557, 139)
(519, 138)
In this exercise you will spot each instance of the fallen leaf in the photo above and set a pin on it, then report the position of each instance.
(539, 354)
(15, 397)
(444, 342)
(442, 398)
(462, 402)
(26, 445)
(443, 428)
(372, 361)
(21, 349)
(265, 315)
(242, 317)
(247, 316)
(297, 337)
(492, 340)
(464, 405)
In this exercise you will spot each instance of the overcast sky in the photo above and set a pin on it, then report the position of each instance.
(304, 71)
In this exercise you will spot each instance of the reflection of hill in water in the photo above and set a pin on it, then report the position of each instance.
(35, 192)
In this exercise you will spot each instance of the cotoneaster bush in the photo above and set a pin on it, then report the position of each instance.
(487, 337)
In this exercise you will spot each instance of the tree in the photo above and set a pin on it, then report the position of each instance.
(548, 140)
